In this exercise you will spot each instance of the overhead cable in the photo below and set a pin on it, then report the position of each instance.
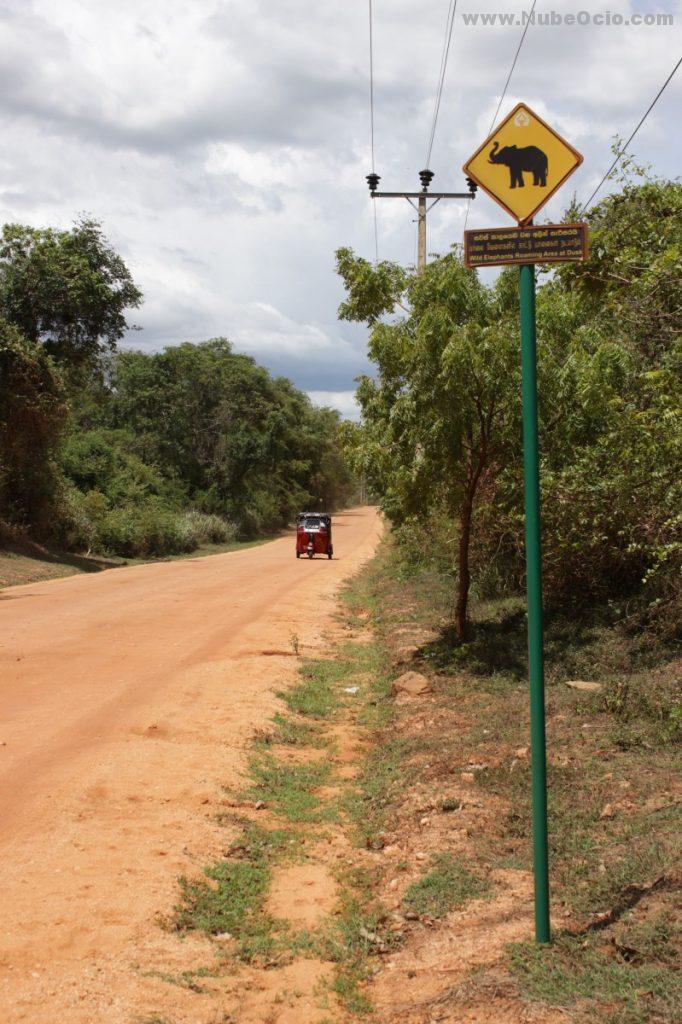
(506, 86)
(623, 149)
(511, 70)
(447, 39)
(371, 121)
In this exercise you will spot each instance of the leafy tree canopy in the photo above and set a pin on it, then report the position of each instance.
(67, 290)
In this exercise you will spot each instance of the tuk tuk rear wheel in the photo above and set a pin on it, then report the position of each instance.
(298, 554)
(310, 554)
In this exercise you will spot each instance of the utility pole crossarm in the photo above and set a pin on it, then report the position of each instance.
(420, 195)
(425, 177)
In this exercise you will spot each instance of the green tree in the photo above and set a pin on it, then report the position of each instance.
(67, 290)
(243, 444)
(440, 414)
(33, 414)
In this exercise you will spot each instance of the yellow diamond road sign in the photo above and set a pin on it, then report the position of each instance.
(522, 163)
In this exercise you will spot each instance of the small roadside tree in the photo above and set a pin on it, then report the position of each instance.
(443, 406)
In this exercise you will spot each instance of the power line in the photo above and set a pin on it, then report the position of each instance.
(371, 122)
(447, 39)
(371, 82)
(506, 85)
(623, 148)
(511, 70)
(425, 176)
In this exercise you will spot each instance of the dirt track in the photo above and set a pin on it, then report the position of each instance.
(128, 698)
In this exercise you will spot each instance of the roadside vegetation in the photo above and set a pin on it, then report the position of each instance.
(296, 807)
(614, 810)
(418, 810)
(440, 442)
(440, 436)
(135, 454)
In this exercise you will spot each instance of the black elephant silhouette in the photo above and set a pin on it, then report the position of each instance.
(527, 158)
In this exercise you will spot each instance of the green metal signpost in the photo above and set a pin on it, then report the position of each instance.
(531, 468)
(522, 198)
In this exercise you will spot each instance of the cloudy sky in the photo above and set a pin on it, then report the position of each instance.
(224, 143)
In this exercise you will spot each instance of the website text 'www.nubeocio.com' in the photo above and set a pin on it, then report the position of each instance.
(554, 19)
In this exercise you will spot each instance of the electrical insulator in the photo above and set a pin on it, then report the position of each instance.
(426, 178)
(473, 187)
(373, 181)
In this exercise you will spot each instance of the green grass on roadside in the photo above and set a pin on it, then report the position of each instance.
(447, 886)
(289, 789)
(230, 899)
(183, 979)
(289, 732)
(613, 818)
(629, 981)
(314, 696)
(356, 934)
(369, 803)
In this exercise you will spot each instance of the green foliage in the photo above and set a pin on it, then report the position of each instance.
(440, 436)
(632, 283)
(163, 452)
(33, 413)
(245, 446)
(67, 290)
(440, 413)
(372, 291)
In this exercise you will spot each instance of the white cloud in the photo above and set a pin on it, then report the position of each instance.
(344, 401)
(224, 144)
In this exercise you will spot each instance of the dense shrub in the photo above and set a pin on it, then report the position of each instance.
(137, 529)
(209, 529)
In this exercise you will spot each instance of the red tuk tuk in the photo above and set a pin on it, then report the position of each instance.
(314, 534)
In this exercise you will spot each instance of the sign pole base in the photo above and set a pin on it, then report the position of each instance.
(531, 465)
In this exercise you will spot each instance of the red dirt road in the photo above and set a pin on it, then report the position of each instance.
(128, 700)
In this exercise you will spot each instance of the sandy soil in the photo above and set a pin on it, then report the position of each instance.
(128, 699)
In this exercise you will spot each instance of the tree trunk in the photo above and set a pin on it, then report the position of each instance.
(464, 576)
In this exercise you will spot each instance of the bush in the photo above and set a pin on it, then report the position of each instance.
(209, 529)
(89, 522)
(137, 532)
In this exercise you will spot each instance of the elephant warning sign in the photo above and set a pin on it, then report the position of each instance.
(522, 163)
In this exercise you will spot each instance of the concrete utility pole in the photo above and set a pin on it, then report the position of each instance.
(421, 234)
(422, 209)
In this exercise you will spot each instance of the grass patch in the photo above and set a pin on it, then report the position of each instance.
(291, 733)
(290, 788)
(357, 934)
(613, 824)
(231, 897)
(447, 886)
(602, 980)
(314, 696)
(383, 776)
